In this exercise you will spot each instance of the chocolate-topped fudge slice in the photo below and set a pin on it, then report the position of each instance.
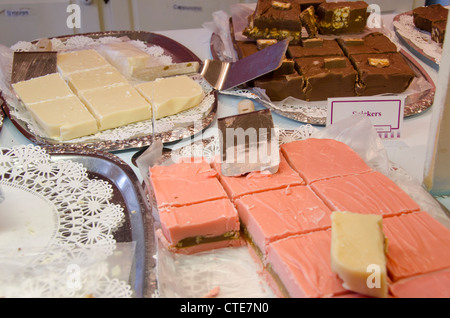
(310, 48)
(424, 17)
(275, 19)
(438, 31)
(374, 42)
(279, 87)
(342, 17)
(327, 76)
(382, 73)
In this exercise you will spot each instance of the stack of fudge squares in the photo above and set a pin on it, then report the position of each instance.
(285, 219)
(329, 55)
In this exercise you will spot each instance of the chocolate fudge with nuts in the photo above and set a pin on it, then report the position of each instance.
(342, 17)
(275, 19)
(382, 73)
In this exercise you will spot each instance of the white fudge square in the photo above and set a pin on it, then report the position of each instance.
(116, 106)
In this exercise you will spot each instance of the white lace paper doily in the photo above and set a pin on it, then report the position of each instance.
(116, 135)
(421, 40)
(56, 228)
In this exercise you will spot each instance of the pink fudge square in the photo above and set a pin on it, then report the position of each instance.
(303, 265)
(275, 214)
(417, 244)
(317, 159)
(368, 193)
(258, 182)
(207, 220)
(185, 183)
(432, 285)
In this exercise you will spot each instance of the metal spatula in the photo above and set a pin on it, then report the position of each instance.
(225, 75)
(27, 65)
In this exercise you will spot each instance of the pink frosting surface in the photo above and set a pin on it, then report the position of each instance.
(318, 159)
(275, 214)
(303, 264)
(432, 285)
(368, 193)
(257, 181)
(417, 244)
(211, 218)
(185, 183)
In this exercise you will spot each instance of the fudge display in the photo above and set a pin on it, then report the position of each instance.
(330, 29)
(295, 221)
(276, 20)
(382, 73)
(342, 17)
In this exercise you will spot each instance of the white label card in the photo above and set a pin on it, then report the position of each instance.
(386, 112)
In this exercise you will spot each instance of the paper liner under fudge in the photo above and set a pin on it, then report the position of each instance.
(342, 17)
(382, 73)
(274, 19)
(424, 17)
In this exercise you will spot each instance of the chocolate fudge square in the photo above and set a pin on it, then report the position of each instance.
(246, 48)
(273, 19)
(327, 76)
(342, 17)
(424, 17)
(326, 47)
(279, 87)
(382, 73)
(372, 43)
(304, 4)
(438, 31)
